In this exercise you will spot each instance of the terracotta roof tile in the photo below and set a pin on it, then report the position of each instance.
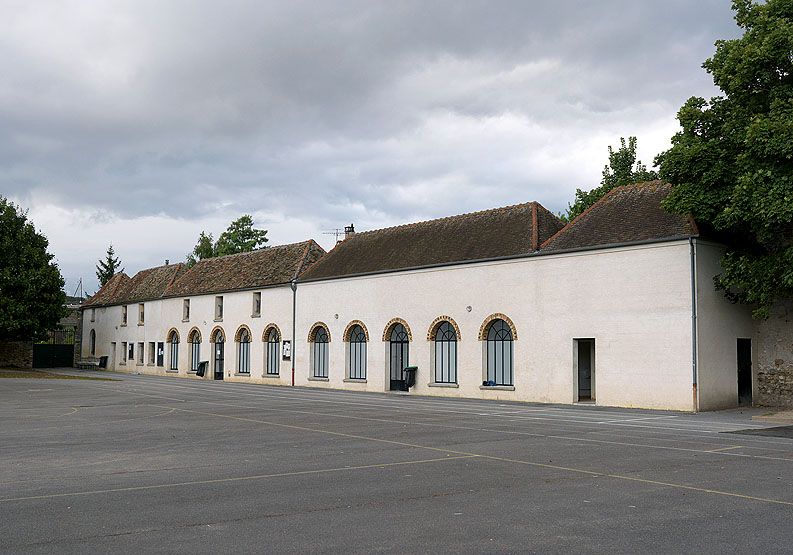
(248, 270)
(108, 291)
(627, 214)
(508, 231)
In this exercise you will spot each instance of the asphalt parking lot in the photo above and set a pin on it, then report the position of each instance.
(148, 464)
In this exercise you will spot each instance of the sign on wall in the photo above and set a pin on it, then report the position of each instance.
(286, 349)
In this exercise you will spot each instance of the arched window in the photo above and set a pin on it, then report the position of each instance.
(499, 353)
(92, 342)
(356, 353)
(173, 346)
(399, 356)
(445, 353)
(219, 341)
(194, 339)
(319, 352)
(244, 351)
(272, 354)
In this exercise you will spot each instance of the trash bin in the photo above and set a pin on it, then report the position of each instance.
(202, 368)
(409, 376)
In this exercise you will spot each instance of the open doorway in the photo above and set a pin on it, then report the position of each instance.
(584, 354)
(744, 371)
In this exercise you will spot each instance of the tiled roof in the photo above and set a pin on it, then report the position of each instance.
(627, 214)
(151, 283)
(501, 232)
(109, 291)
(260, 268)
(248, 270)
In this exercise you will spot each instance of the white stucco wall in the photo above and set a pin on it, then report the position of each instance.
(719, 325)
(635, 302)
(162, 315)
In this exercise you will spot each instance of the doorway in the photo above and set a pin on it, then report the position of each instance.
(744, 371)
(585, 369)
(398, 347)
(219, 355)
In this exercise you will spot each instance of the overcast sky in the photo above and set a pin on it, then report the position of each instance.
(142, 123)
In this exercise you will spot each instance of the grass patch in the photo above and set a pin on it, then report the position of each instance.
(43, 375)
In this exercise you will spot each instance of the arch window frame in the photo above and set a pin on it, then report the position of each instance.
(173, 350)
(445, 351)
(499, 353)
(356, 352)
(195, 349)
(243, 341)
(272, 353)
(320, 357)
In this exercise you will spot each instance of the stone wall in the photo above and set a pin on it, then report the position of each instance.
(774, 357)
(16, 354)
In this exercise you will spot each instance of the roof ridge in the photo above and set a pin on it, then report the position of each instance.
(475, 213)
(600, 201)
(248, 253)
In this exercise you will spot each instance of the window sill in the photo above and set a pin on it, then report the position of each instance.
(443, 385)
(141, 324)
(271, 376)
(498, 387)
(185, 320)
(122, 325)
(256, 315)
(315, 379)
(218, 320)
(138, 364)
(192, 371)
(354, 380)
(246, 374)
(122, 363)
(172, 371)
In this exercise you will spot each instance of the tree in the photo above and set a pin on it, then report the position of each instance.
(240, 236)
(622, 169)
(732, 162)
(108, 267)
(32, 300)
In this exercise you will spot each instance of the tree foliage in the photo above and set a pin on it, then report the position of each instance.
(622, 169)
(732, 162)
(31, 287)
(107, 268)
(240, 236)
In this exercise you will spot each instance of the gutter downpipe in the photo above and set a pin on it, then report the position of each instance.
(693, 253)
(293, 286)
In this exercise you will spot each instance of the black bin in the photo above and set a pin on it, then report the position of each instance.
(409, 376)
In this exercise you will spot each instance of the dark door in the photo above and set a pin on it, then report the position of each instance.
(744, 371)
(219, 360)
(399, 357)
(585, 367)
(160, 354)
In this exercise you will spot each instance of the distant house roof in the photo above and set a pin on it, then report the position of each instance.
(627, 214)
(260, 268)
(501, 232)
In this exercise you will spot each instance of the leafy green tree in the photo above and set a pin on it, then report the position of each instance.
(240, 236)
(108, 267)
(204, 248)
(31, 287)
(732, 162)
(622, 169)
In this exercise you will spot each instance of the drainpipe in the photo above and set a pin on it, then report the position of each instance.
(293, 285)
(692, 247)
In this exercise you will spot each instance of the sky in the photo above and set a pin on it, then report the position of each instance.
(141, 123)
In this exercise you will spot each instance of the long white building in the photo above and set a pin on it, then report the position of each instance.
(617, 308)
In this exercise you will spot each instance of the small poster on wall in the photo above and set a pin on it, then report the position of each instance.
(286, 349)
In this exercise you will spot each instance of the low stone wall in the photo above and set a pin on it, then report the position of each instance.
(774, 357)
(16, 354)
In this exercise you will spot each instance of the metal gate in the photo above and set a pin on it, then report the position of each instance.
(57, 351)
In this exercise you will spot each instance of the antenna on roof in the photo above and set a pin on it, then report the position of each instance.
(336, 232)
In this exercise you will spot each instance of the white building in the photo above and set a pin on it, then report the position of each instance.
(617, 308)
